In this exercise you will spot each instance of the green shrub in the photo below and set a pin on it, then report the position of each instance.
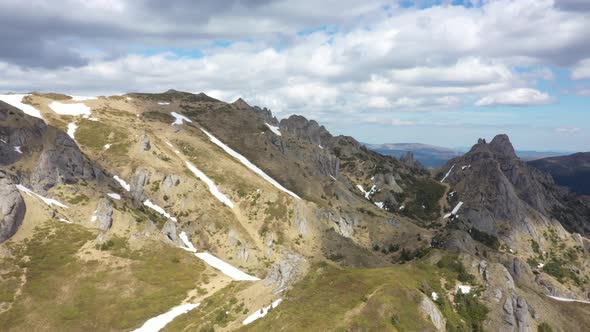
(544, 327)
(485, 238)
(471, 309)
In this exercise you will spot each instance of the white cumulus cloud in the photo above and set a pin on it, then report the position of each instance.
(516, 97)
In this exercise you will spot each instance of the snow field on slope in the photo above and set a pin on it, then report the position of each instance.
(69, 109)
(122, 182)
(564, 299)
(215, 262)
(261, 313)
(225, 268)
(248, 164)
(212, 187)
(274, 129)
(189, 245)
(16, 101)
(159, 209)
(446, 175)
(45, 200)
(179, 118)
(157, 323)
(72, 130)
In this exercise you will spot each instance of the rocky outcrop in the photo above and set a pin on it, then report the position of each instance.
(170, 232)
(62, 163)
(144, 142)
(104, 214)
(310, 130)
(504, 196)
(430, 310)
(266, 115)
(139, 179)
(169, 182)
(343, 224)
(12, 207)
(285, 272)
(516, 314)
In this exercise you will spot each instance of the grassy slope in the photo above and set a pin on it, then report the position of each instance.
(379, 299)
(66, 293)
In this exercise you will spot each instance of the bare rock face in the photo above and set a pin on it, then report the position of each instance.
(104, 214)
(169, 182)
(285, 272)
(169, 230)
(144, 142)
(61, 163)
(12, 207)
(504, 196)
(430, 310)
(344, 224)
(516, 314)
(139, 179)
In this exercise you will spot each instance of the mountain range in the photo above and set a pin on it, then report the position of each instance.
(432, 156)
(176, 211)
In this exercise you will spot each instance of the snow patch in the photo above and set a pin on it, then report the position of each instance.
(449, 172)
(18, 150)
(163, 103)
(107, 146)
(402, 207)
(65, 220)
(466, 166)
(159, 209)
(455, 210)
(380, 205)
(248, 164)
(72, 130)
(17, 101)
(320, 146)
(274, 129)
(82, 98)
(189, 245)
(261, 313)
(463, 288)
(434, 296)
(157, 323)
(121, 181)
(564, 299)
(114, 196)
(179, 118)
(69, 109)
(45, 200)
(212, 187)
(367, 193)
(225, 268)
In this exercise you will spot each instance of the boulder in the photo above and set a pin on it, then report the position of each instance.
(430, 310)
(104, 214)
(169, 182)
(285, 272)
(12, 207)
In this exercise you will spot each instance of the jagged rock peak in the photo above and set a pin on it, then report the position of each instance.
(241, 103)
(501, 145)
(303, 127)
(266, 115)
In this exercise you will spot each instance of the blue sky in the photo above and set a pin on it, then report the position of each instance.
(441, 72)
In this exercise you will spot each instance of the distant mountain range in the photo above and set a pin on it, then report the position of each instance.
(432, 156)
(572, 171)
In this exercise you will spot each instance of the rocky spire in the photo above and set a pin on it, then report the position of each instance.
(501, 146)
